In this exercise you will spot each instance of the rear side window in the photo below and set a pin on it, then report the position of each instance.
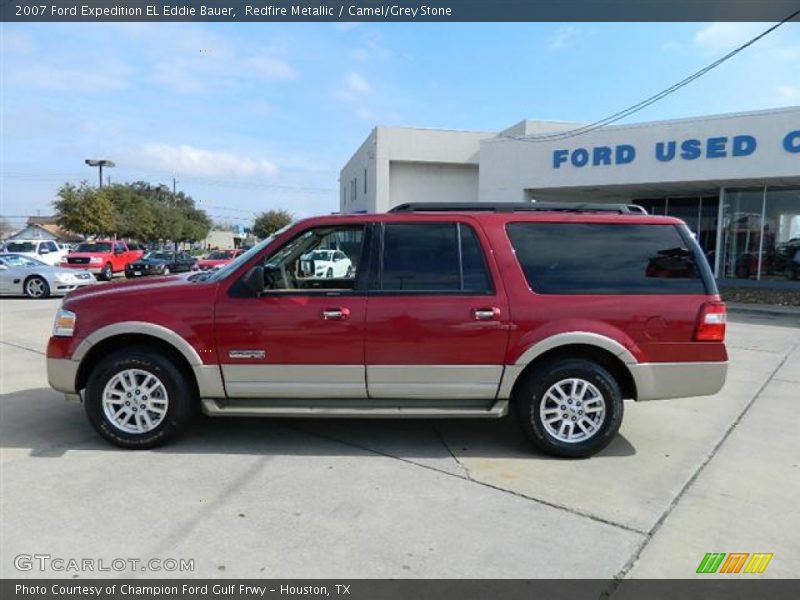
(432, 257)
(599, 258)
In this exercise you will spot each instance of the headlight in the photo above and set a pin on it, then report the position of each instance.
(65, 277)
(95, 259)
(65, 323)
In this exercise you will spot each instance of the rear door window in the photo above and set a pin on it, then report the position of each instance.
(603, 258)
(432, 257)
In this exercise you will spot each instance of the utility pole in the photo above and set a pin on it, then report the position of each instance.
(99, 163)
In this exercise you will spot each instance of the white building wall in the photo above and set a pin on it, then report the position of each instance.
(433, 163)
(509, 167)
(406, 164)
(427, 182)
(362, 168)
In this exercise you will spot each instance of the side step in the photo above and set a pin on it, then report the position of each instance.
(382, 409)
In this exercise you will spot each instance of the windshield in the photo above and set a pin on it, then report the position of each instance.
(21, 247)
(95, 247)
(221, 255)
(15, 260)
(222, 273)
(158, 256)
(322, 255)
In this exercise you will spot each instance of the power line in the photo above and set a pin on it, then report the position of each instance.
(652, 99)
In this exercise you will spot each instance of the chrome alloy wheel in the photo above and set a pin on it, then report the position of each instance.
(572, 410)
(135, 401)
(35, 287)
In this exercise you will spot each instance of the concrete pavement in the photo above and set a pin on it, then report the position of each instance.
(297, 498)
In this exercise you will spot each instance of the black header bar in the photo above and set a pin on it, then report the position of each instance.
(396, 10)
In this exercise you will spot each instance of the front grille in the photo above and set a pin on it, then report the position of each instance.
(78, 260)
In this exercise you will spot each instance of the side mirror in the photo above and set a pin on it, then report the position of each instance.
(254, 280)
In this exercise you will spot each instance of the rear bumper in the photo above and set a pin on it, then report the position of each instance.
(61, 375)
(659, 381)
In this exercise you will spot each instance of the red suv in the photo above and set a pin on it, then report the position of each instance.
(557, 312)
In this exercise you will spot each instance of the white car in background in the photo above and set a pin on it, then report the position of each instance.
(326, 263)
(46, 251)
(22, 275)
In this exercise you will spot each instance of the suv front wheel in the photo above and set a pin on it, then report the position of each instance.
(138, 399)
(569, 408)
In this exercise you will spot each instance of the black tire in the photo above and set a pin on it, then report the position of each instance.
(41, 285)
(107, 274)
(530, 392)
(349, 272)
(181, 405)
(329, 273)
(165, 271)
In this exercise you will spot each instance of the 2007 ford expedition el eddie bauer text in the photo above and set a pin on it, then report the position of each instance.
(558, 312)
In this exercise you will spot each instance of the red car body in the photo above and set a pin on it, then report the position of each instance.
(381, 352)
(102, 257)
(212, 261)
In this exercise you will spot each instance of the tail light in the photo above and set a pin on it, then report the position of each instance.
(711, 323)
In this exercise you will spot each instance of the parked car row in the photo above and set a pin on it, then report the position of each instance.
(43, 268)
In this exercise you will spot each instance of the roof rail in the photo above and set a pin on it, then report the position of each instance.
(505, 207)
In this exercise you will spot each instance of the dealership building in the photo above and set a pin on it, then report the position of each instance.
(734, 178)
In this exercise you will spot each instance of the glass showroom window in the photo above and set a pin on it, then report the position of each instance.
(782, 234)
(741, 233)
(761, 234)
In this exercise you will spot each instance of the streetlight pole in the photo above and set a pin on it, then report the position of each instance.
(99, 163)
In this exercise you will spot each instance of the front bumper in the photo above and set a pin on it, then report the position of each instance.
(62, 373)
(659, 381)
(91, 267)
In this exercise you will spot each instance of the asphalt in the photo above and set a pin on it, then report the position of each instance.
(446, 499)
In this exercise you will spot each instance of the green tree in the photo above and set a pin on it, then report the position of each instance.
(168, 223)
(271, 221)
(134, 213)
(85, 210)
(196, 224)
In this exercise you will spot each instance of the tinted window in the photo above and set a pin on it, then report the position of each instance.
(95, 247)
(473, 263)
(21, 247)
(430, 257)
(593, 258)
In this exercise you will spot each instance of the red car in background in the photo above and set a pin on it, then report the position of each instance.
(218, 258)
(102, 257)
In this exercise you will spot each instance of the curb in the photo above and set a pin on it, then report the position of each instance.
(764, 309)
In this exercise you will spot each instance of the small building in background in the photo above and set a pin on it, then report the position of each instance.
(45, 228)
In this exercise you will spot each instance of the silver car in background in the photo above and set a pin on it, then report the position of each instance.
(22, 275)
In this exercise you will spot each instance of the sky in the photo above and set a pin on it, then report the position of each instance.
(249, 117)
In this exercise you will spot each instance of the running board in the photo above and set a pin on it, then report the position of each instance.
(364, 409)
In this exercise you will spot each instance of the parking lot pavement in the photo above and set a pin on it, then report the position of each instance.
(314, 498)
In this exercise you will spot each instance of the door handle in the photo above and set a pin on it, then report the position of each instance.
(486, 314)
(335, 314)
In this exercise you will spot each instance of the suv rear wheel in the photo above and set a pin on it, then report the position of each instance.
(138, 398)
(570, 407)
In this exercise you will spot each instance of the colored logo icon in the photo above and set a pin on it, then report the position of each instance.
(734, 562)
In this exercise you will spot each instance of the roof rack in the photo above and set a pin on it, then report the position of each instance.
(506, 207)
